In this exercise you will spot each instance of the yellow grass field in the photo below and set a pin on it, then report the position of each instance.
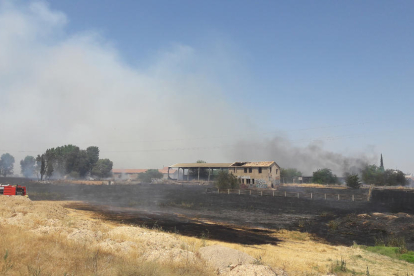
(43, 238)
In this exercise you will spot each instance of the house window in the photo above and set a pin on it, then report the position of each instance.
(250, 170)
(247, 181)
(270, 169)
(242, 180)
(260, 170)
(245, 170)
(252, 181)
(277, 171)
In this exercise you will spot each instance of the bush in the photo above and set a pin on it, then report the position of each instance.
(372, 174)
(74, 175)
(149, 175)
(226, 180)
(324, 176)
(352, 181)
(103, 168)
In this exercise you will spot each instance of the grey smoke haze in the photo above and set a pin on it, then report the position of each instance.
(307, 159)
(58, 88)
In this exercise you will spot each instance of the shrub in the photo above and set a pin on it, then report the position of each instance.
(74, 175)
(324, 176)
(226, 180)
(149, 175)
(352, 181)
(333, 225)
(372, 174)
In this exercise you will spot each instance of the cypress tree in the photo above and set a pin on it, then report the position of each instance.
(381, 164)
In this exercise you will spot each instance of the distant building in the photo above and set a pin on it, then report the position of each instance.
(253, 174)
(259, 174)
(410, 178)
(132, 174)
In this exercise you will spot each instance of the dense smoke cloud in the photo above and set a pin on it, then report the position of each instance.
(58, 89)
(307, 159)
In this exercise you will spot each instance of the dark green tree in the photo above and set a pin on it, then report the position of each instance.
(68, 158)
(103, 168)
(381, 167)
(82, 165)
(352, 181)
(394, 178)
(40, 166)
(28, 166)
(226, 180)
(50, 160)
(6, 164)
(93, 154)
(71, 160)
(49, 170)
(324, 176)
(150, 174)
(371, 174)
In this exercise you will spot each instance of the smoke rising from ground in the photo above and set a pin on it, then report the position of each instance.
(306, 159)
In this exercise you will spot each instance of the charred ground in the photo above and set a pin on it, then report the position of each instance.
(242, 219)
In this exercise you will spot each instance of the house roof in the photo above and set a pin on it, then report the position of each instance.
(224, 165)
(165, 170)
(201, 165)
(254, 164)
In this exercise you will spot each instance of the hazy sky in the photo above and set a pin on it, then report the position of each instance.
(154, 83)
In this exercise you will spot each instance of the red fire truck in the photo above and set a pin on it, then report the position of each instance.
(12, 190)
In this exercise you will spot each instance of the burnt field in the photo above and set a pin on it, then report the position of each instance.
(244, 219)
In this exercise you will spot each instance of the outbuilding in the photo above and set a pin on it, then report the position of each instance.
(254, 174)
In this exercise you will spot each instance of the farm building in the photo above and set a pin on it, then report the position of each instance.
(254, 174)
(132, 174)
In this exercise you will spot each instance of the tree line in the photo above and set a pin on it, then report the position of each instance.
(368, 174)
(65, 161)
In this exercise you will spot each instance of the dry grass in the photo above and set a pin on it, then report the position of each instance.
(33, 252)
(302, 254)
(29, 254)
(42, 238)
(314, 185)
(85, 182)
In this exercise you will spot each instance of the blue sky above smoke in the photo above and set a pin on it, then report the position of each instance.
(341, 72)
(314, 63)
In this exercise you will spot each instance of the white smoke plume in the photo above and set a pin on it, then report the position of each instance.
(58, 88)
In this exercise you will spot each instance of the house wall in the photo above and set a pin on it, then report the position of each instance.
(268, 177)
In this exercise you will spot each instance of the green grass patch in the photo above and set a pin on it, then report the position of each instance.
(392, 252)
